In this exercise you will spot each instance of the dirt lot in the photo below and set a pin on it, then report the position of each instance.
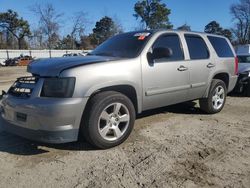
(178, 146)
(9, 74)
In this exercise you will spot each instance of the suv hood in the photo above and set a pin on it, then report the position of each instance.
(54, 66)
(244, 67)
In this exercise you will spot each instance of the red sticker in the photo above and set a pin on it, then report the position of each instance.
(141, 37)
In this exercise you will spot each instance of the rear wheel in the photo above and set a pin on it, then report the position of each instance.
(216, 99)
(109, 119)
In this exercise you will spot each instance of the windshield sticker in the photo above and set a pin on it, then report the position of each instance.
(141, 36)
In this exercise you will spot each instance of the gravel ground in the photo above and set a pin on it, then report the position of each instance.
(177, 146)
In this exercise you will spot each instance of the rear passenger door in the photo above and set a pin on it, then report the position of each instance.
(200, 65)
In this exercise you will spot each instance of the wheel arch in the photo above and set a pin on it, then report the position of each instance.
(126, 89)
(224, 76)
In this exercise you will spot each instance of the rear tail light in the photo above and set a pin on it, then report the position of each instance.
(236, 66)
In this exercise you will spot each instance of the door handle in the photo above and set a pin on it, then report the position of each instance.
(210, 65)
(182, 68)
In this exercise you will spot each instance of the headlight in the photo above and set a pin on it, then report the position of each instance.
(248, 74)
(58, 87)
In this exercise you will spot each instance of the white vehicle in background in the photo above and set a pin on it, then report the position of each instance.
(2, 62)
(243, 84)
(83, 53)
(72, 54)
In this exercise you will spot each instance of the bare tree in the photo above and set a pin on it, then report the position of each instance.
(118, 25)
(49, 22)
(79, 21)
(36, 41)
(241, 16)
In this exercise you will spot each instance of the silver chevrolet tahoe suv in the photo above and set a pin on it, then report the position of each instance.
(98, 96)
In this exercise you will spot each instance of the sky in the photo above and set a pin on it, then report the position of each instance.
(196, 13)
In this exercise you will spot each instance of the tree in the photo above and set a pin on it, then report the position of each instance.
(18, 27)
(227, 33)
(78, 28)
(118, 28)
(184, 27)
(214, 28)
(86, 42)
(49, 22)
(2, 41)
(104, 29)
(36, 41)
(153, 14)
(66, 43)
(241, 17)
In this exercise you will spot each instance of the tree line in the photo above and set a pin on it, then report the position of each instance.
(16, 33)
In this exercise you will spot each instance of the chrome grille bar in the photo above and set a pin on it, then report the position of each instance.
(23, 86)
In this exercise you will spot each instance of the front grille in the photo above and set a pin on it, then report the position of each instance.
(23, 86)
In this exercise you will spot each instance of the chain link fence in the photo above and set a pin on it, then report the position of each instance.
(6, 54)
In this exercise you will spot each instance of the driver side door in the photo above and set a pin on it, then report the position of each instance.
(165, 80)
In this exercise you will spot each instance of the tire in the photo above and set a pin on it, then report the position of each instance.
(216, 99)
(102, 125)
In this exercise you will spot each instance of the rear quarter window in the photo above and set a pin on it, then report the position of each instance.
(221, 46)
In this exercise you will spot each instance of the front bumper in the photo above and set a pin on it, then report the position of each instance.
(47, 120)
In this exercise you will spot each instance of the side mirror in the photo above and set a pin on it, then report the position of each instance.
(161, 52)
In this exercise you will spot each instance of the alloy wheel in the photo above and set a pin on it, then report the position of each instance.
(113, 121)
(218, 97)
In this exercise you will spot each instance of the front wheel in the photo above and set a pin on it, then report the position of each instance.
(216, 99)
(109, 119)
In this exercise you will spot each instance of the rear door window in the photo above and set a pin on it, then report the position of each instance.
(221, 46)
(172, 42)
(197, 47)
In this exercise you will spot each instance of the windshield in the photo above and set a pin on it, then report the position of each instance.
(244, 59)
(127, 45)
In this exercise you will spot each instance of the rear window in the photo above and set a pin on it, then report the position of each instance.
(197, 47)
(221, 46)
(244, 59)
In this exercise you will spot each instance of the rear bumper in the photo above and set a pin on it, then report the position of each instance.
(242, 82)
(43, 119)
